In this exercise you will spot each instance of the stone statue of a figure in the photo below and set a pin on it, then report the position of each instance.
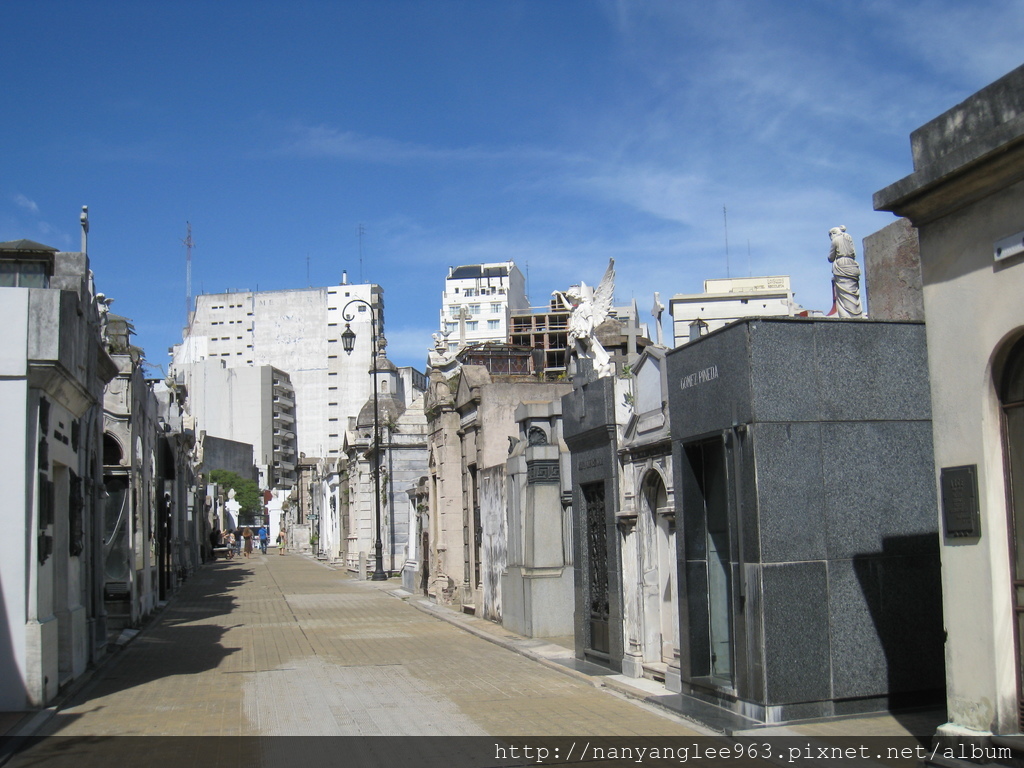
(590, 308)
(845, 273)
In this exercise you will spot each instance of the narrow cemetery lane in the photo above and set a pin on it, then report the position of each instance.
(281, 645)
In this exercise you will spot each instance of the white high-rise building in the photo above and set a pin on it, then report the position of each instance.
(477, 302)
(298, 332)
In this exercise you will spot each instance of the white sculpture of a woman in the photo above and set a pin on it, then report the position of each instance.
(845, 273)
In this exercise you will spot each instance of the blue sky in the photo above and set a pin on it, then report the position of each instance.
(557, 133)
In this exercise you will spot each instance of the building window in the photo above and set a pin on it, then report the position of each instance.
(468, 292)
(474, 309)
(453, 311)
(451, 327)
(472, 325)
(493, 325)
(495, 309)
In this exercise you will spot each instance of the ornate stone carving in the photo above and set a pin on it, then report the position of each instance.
(590, 308)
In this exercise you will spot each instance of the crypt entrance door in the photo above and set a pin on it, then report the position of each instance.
(1012, 396)
(709, 563)
(657, 574)
(597, 568)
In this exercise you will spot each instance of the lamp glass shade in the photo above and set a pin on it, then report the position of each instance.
(348, 339)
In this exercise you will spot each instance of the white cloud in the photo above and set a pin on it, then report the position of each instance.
(28, 205)
(970, 43)
(326, 141)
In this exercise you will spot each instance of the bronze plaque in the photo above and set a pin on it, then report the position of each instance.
(961, 515)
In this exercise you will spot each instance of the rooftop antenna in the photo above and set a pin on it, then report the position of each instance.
(84, 219)
(188, 270)
(361, 231)
(725, 217)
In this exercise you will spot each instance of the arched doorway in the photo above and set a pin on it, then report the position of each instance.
(657, 575)
(1011, 395)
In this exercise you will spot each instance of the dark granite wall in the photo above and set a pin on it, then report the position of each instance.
(588, 428)
(835, 590)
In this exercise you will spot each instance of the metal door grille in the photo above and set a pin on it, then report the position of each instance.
(597, 547)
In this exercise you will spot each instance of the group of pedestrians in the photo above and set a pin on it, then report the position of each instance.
(243, 540)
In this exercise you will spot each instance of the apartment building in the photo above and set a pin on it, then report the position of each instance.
(299, 333)
(477, 302)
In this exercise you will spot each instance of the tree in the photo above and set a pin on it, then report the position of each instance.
(247, 493)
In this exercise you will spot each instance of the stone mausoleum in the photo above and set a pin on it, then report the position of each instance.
(805, 509)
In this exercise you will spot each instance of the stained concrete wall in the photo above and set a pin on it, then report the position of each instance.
(892, 273)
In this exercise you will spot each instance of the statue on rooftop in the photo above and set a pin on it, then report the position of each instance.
(845, 274)
(590, 308)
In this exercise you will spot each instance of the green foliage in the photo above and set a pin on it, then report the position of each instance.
(247, 492)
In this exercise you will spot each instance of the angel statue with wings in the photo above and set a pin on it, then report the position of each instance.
(590, 308)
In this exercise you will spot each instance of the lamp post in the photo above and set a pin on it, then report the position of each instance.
(348, 342)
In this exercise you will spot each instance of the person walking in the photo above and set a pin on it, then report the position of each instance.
(247, 536)
(215, 536)
(263, 539)
(281, 539)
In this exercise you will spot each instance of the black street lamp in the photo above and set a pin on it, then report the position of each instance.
(348, 343)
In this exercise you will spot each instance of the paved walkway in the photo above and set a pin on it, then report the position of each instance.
(286, 646)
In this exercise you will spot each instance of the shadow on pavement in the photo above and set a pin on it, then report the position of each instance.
(185, 639)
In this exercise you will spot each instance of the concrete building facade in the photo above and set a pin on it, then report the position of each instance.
(647, 524)
(53, 368)
(154, 535)
(472, 421)
(537, 582)
(545, 329)
(965, 197)
(131, 479)
(252, 404)
(728, 299)
(398, 455)
(477, 302)
(298, 332)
